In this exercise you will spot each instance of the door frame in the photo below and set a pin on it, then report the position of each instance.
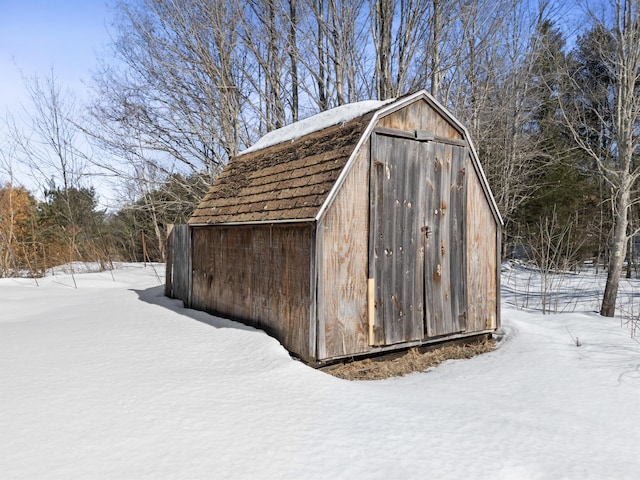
(455, 322)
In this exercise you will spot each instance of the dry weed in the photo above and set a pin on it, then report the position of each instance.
(411, 361)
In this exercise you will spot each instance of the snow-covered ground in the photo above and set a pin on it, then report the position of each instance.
(114, 381)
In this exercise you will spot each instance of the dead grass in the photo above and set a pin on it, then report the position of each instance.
(413, 360)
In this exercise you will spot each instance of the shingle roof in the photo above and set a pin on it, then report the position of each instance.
(288, 181)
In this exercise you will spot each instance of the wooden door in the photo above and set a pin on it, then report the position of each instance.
(445, 268)
(397, 246)
(417, 254)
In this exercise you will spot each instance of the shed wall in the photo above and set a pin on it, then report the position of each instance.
(482, 256)
(259, 275)
(343, 236)
(178, 274)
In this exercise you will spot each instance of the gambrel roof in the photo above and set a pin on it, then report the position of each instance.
(287, 181)
(286, 178)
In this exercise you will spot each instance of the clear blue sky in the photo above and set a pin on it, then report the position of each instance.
(37, 35)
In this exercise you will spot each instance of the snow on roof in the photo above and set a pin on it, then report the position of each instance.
(316, 123)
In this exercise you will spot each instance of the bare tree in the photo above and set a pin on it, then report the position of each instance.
(436, 36)
(263, 23)
(293, 59)
(172, 103)
(49, 142)
(486, 76)
(618, 55)
(55, 152)
(179, 69)
(382, 14)
(332, 53)
(137, 173)
(399, 29)
(317, 7)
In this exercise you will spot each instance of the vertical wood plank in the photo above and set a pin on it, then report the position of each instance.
(435, 274)
(259, 275)
(422, 194)
(343, 241)
(482, 255)
(399, 297)
(380, 154)
(168, 289)
(445, 240)
(374, 336)
(179, 263)
(392, 304)
(412, 261)
(313, 304)
(389, 220)
(324, 319)
(432, 187)
(445, 256)
(457, 240)
(189, 267)
(371, 309)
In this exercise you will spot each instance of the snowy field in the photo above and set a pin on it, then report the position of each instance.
(113, 381)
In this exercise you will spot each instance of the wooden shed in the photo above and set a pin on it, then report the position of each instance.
(366, 228)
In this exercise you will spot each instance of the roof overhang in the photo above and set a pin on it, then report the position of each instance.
(255, 222)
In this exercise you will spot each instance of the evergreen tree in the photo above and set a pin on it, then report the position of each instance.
(71, 225)
(564, 192)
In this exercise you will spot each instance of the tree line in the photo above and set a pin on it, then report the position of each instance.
(69, 225)
(185, 85)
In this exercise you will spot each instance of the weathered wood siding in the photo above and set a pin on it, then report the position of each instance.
(342, 266)
(397, 216)
(482, 257)
(419, 115)
(405, 252)
(445, 257)
(418, 217)
(168, 278)
(178, 277)
(259, 275)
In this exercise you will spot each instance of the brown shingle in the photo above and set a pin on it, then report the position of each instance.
(289, 181)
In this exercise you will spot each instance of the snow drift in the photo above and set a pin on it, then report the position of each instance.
(113, 380)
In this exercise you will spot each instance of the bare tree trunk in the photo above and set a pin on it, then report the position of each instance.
(323, 102)
(293, 58)
(272, 88)
(616, 258)
(338, 54)
(627, 112)
(382, 20)
(436, 31)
